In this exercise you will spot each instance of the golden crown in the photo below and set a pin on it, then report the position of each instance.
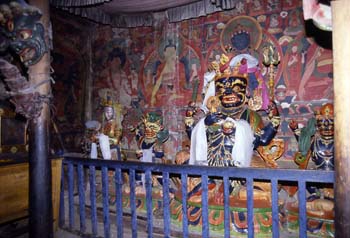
(107, 102)
(326, 111)
(223, 69)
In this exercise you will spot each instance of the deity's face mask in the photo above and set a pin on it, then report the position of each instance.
(325, 121)
(231, 91)
(25, 33)
(151, 131)
(154, 128)
(109, 113)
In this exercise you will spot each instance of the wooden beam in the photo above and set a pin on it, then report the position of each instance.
(341, 68)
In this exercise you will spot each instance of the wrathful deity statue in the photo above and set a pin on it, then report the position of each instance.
(22, 33)
(230, 130)
(151, 135)
(316, 139)
(228, 135)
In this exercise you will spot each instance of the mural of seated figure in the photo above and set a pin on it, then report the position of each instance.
(228, 134)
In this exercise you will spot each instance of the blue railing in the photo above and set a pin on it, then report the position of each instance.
(78, 172)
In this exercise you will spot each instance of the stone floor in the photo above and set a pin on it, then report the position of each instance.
(19, 229)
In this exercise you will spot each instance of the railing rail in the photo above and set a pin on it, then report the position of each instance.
(76, 166)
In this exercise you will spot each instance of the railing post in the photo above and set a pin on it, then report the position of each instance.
(205, 223)
(81, 193)
(105, 202)
(92, 181)
(249, 174)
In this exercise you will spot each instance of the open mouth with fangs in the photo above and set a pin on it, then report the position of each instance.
(150, 134)
(27, 54)
(232, 98)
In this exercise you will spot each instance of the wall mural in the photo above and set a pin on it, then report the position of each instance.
(68, 67)
(162, 68)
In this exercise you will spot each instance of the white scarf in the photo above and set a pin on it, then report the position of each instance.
(242, 150)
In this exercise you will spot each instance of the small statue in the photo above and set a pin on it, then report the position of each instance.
(90, 141)
(111, 125)
(316, 140)
(151, 135)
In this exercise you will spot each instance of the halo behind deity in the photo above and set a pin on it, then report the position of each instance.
(240, 34)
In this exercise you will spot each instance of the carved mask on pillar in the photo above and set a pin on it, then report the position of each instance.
(21, 26)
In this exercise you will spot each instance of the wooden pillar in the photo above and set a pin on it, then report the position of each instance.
(40, 195)
(341, 67)
(88, 79)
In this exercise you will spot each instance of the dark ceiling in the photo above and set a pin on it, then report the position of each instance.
(136, 6)
(134, 13)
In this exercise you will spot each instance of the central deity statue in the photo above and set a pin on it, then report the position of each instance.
(231, 128)
(227, 135)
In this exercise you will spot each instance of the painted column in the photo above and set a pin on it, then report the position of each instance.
(341, 67)
(40, 195)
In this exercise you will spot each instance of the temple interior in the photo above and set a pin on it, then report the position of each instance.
(228, 83)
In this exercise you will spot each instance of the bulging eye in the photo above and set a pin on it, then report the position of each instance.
(221, 91)
(236, 89)
(25, 34)
(10, 25)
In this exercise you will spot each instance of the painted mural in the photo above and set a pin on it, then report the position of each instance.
(162, 68)
(67, 70)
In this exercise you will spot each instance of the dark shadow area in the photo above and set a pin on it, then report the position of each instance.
(322, 38)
